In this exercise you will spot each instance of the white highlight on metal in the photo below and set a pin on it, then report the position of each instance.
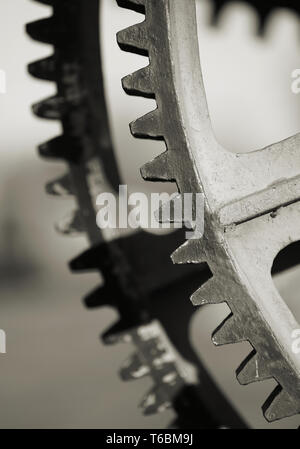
(2, 342)
(256, 370)
(296, 342)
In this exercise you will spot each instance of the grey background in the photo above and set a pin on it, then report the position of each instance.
(56, 372)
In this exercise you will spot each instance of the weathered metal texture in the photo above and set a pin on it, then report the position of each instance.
(137, 286)
(159, 359)
(252, 200)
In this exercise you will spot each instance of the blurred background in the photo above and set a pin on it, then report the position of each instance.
(57, 373)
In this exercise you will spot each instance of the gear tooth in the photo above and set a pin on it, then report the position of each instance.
(252, 370)
(101, 297)
(218, 6)
(159, 169)
(139, 83)
(148, 126)
(53, 108)
(46, 2)
(96, 257)
(133, 368)
(85, 261)
(70, 225)
(154, 402)
(60, 187)
(134, 39)
(264, 18)
(209, 293)
(44, 69)
(53, 148)
(117, 333)
(61, 147)
(228, 332)
(134, 5)
(280, 404)
(43, 30)
(190, 252)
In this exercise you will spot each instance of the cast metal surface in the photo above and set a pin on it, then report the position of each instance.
(252, 207)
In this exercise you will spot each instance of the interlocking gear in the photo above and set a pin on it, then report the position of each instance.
(140, 288)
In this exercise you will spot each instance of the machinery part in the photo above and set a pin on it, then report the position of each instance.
(252, 205)
(136, 286)
(264, 9)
